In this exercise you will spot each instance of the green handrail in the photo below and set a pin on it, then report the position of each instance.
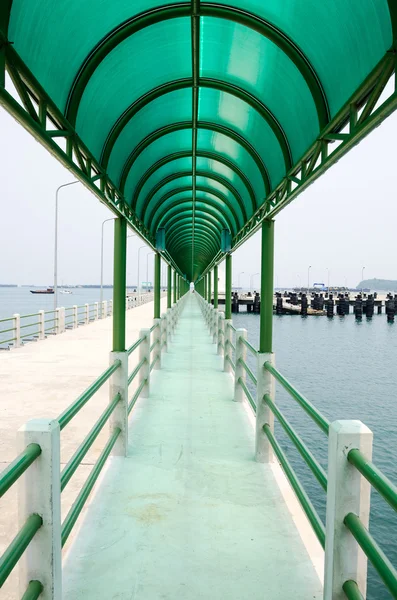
(7, 330)
(135, 345)
(233, 347)
(33, 590)
(153, 345)
(351, 590)
(7, 319)
(136, 395)
(82, 450)
(21, 541)
(231, 326)
(136, 370)
(249, 346)
(29, 325)
(50, 312)
(375, 555)
(153, 327)
(317, 417)
(85, 491)
(154, 361)
(50, 320)
(248, 394)
(6, 341)
(31, 315)
(78, 404)
(17, 467)
(248, 371)
(375, 477)
(303, 498)
(307, 456)
(231, 362)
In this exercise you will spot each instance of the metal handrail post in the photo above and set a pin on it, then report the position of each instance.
(347, 492)
(240, 374)
(227, 349)
(264, 416)
(118, 384)
(17, 330)
(39, 491)
(221, 331)
(41, 325)
(163, 337)
(157, 341)
(144, 355)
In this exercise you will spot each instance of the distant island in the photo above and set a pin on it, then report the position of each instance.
(386, 285)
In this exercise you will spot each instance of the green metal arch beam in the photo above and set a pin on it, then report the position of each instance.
(183, 9)
(208, 245)
(236, 137)
(208, 174)
(185, 215)
(209, 201)
(210, 242)
(211, 231)
(186, 154)
(179, 205)
(186, 241)
(205, 82)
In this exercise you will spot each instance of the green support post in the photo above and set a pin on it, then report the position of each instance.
(216, 286)
(169, 283)
(205, 287)
(266, 311)
(174, 287)
(157, 283)
(119, 283)
(209, 287)
(228, 287)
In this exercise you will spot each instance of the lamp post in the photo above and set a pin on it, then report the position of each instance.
(362, 279)
(299, 282)
(251, 280)
(139, 287)
(147, 267)
(328, 279)
(101, 291)
(308, 278)
(56, 242)
(238, 277)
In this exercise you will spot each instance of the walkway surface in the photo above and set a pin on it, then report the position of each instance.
(189, 514)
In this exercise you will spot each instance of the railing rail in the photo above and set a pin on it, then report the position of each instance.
(18, 467)
(85, 313)
(78, 404)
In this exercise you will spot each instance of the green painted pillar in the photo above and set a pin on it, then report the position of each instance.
(157, 284)
(169, 284)
(216, 287)
(228, 287)
(209, 287)
(174, 287)
(267, 266)
(205, 287)
(119, 283)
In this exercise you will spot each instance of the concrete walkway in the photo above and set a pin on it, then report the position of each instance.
(189, 514)
(42, 379)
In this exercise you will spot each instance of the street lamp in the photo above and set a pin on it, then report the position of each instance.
(238, 278)
(299, 282)
(251, 280)
(139, 251)
(308, 278)
(328, 279)
(147, 268)
(101, 292)
(362, 279)
(56, 242)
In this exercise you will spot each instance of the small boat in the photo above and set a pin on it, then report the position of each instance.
(65, 292)
(47, 291)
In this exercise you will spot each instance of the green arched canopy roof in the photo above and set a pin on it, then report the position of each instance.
(201, 112)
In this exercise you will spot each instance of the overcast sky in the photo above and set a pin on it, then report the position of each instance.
(345, 221)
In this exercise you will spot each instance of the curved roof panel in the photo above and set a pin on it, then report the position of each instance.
(201, 115)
